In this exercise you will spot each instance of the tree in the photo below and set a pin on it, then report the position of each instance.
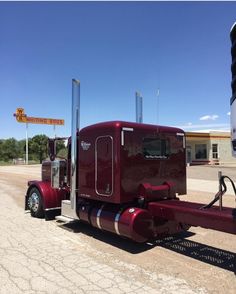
(22, 147)
(1, 150)
(38, 147)
(61, 149)
(9, 149)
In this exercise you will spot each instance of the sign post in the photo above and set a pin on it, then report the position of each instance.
(26, 145)
(21, 117)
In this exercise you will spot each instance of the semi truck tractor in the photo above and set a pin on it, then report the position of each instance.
(126, 178)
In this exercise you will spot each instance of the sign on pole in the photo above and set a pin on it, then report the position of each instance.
(21, 117)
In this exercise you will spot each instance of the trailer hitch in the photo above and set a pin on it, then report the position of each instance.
(221, 192)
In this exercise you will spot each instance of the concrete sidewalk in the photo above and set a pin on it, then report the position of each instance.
(207, 186)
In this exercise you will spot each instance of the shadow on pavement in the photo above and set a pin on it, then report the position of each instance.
(178, 243)
(204, 253)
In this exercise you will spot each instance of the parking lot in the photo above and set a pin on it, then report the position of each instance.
(38, 256)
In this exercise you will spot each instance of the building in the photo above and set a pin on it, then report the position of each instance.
(212, 147)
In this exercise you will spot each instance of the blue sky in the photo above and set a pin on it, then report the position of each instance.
(115, 49)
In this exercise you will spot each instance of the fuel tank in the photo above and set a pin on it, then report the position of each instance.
(130, 222)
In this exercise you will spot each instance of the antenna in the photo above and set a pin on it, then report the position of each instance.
(158, 93)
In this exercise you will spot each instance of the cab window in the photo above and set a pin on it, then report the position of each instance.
(156, 148)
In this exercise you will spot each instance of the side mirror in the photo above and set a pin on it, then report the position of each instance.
(52, 149)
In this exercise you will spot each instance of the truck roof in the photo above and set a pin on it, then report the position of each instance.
(134, 125)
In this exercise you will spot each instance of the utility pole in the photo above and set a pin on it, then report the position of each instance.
(26, 145)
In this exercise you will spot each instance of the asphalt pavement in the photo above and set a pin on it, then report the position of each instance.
(46, 257)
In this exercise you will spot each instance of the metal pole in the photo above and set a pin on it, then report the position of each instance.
(139, 107)
(220, 189)
(26, 145)
(75, 120)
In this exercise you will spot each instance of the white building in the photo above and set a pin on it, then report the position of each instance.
(212, 147)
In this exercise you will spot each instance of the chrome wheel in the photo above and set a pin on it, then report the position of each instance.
(33, 202)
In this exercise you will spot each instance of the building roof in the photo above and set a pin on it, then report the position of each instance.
(208, 134)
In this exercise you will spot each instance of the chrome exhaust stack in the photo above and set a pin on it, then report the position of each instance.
(75, 124)
(68, 207)
(139, 107)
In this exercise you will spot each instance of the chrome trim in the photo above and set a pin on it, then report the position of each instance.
(74, 129)
(123, 134)
(139, 107)
(116, 223)
(234, 24)
(33, 202)
(183, 136)
(96, 169)
(53, 208)
(98, 216)
(132, 210)
(127, 129)
(55, 174)
(122, 140)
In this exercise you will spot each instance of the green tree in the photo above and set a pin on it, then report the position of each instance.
(21, 146)
(9, 149)
(61, 149)
(38, 147)
(1, 150)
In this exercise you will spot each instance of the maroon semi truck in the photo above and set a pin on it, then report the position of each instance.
(124, 178)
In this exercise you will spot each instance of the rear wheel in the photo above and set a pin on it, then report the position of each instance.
(35, 203)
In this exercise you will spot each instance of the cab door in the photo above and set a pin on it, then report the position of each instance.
(104, 165)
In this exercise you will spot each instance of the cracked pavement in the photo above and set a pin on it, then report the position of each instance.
(44, 257)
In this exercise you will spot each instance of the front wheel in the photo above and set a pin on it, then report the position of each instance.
(35, 203)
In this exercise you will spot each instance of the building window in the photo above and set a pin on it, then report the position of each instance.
(201, 151)
(215, 151)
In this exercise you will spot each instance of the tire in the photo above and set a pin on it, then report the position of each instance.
(35, 203)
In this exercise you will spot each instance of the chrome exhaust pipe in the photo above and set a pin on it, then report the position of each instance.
(75, 124)
(139, 107)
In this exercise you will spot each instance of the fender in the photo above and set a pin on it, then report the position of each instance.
(51, 197)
